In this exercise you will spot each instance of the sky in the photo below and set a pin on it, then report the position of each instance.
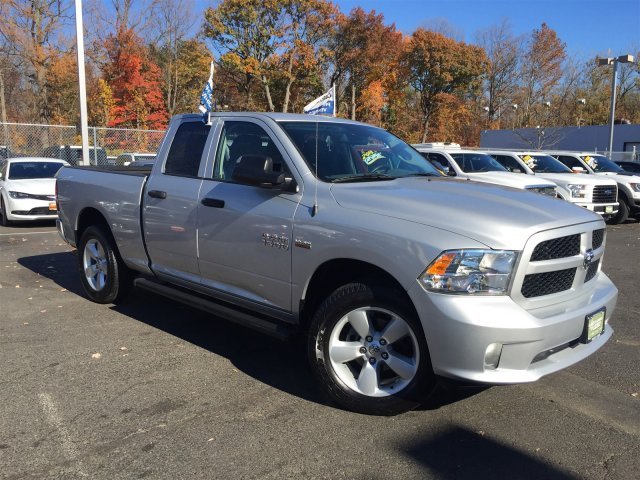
(588, 27)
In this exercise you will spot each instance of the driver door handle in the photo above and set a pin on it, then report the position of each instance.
(157, 194)
(212, 202)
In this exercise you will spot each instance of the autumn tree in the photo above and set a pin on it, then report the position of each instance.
(435, 65)
(365, 50)
(306, 27)
(135, 83)
(247, 33)
(33, 30)
(541, 70)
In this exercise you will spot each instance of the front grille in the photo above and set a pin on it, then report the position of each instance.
(42, 211)
(538, 284)
(592, 270)
(598, 238)
(605, 193)
(557, 248)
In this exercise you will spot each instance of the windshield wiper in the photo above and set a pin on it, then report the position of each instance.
(367, 177)
(423, 174)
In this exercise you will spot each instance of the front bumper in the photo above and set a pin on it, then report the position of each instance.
(605, 209)
(460, 328)
(29, 209)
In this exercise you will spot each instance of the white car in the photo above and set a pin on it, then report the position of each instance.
(597, 194)
(27, 189)
(628, 183)
(454, 161)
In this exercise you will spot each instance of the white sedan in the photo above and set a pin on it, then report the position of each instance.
(27, 188)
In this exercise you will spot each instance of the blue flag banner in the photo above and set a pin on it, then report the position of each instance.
(206, 97)
(323, 105)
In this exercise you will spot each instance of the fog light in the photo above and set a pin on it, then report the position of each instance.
(492, 356)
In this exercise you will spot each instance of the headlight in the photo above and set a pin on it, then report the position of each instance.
(577, 191)
(635, 187)
(19, 195)
(470, 271)
(550, 191)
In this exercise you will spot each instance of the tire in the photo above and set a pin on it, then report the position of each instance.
(352, 360)
(4, 220)
(622, 215)
(105, 278)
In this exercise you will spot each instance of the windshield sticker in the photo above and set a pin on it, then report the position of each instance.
(530, 161)
(592, 162)
(371, 156)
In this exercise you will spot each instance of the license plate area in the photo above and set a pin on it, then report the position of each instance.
(608, 209)
(593, 325)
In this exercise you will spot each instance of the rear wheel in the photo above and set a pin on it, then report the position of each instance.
(104, 275)
(368, 351)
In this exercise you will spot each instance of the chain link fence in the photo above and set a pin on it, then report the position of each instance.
(107, 146)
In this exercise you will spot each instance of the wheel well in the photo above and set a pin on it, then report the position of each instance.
(87, 218)
(335, 273)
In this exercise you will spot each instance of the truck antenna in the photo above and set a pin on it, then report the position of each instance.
(314, 209)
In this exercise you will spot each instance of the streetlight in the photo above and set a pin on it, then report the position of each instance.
(515, 114)
(608, 61)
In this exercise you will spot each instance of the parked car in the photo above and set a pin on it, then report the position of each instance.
(633, 167)
(597, 194)
(339, 230)
(139, 159)
(454, 161)
(27, 189)
(628, 183)
(72, 154)
(5, 152)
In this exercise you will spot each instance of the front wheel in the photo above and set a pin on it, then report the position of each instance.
(368, 351)
(3, 211)
(104, 275)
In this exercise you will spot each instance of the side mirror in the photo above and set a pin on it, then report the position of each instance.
(451, 172)
(257, 170)
(578, 170)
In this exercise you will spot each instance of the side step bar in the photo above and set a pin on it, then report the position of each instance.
(272, 328)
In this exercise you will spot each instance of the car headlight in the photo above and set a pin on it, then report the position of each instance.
(635, 187)
(19, 195)
(470, 272)
(577, 191)
(549, 191)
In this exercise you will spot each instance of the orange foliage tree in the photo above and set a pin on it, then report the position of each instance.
(135, 83)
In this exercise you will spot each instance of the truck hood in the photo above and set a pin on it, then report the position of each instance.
(575, 178)
(499, 217)
(509, 179)
(34, 186)
(621, 177)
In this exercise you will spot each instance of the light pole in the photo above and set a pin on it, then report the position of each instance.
(82, 89)
(515, 114)
(608, 61)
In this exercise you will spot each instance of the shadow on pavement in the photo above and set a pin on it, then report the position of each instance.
(458, 453)
(60, 268)
(282, 365)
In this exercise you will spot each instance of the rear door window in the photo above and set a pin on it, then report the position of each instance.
(186, 149)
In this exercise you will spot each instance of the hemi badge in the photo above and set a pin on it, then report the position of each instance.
(302, 244)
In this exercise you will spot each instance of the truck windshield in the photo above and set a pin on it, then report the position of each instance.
(27, 170)
(544, 164)
(600, 163)
(477, 162)
(351, 151)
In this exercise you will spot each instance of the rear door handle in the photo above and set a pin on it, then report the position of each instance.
(157, 194)
(212, 202)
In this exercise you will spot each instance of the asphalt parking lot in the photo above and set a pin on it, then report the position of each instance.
(154, 389)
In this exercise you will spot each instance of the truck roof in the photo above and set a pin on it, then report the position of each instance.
(278, 117)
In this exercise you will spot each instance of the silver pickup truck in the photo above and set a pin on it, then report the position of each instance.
(396, 275)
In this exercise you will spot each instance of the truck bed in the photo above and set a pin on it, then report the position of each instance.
(113, 191)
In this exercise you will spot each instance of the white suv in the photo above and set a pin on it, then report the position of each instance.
(453, 161)
(597, 194)
(628, 183)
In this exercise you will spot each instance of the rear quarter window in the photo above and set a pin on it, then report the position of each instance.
(186, 149)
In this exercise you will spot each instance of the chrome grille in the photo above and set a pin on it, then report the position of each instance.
(538, 284)
(557, 248)
(598, 238)
(591, 271)
(605, 193)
